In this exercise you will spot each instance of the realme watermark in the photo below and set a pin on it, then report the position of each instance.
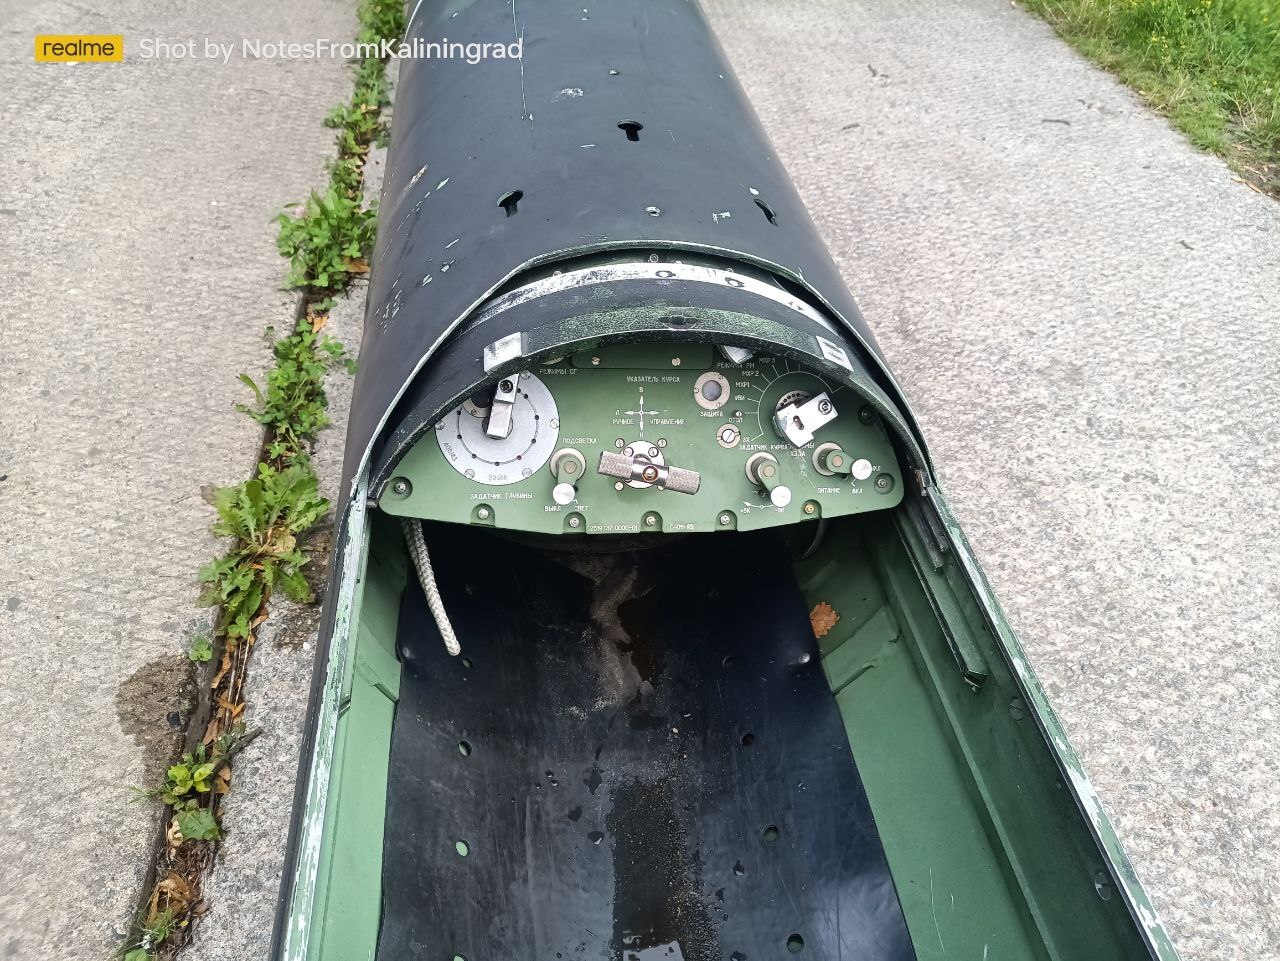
(157, 48)
(62, 48)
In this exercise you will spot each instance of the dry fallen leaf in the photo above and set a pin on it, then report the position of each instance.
(823, 618)
(172, 835)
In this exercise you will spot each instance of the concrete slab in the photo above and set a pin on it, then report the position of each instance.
(243, 887)
(137, 238)
(1084, 311)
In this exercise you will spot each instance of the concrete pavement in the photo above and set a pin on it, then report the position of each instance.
(1081, 307)
(1085, 312)
(136, 235)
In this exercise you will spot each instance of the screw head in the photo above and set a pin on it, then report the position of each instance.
(575, 521)
(401, 487)
(884, 482)
(650, 520)
(866, 415)
(618, 485)
(824, 406)
(595, 361)
(483, 513)
(653, 211)
(725, 519)
(810, 507)
(506, 386)
(675, 361)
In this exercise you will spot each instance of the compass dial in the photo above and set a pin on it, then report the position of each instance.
(497, 462)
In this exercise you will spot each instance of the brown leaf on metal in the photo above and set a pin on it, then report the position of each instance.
(823, 618)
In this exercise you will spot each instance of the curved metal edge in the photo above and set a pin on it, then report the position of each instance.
(291, 931)
(632, 301)
(359, 447)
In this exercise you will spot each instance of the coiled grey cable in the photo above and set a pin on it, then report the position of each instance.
(417, 544)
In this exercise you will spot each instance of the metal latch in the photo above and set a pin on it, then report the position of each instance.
(498, 424)
(798, 422)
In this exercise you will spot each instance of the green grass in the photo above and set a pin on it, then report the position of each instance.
(1212, 66)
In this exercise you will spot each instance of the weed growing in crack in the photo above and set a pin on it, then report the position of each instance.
(328, 243)
(266, 516)
(292, 407)
(329, 238)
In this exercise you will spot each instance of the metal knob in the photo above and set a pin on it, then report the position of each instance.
(763, 471)
(830, 460)
(567, 467)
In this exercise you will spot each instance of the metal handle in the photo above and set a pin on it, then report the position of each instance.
(627, 468)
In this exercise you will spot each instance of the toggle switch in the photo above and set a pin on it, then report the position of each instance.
(567, 467)
(830, 460)
(763, 471)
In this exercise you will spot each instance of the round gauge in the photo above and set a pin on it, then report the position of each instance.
(465, 442)
(711, 390)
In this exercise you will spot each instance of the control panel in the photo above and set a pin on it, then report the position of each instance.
(651, 438)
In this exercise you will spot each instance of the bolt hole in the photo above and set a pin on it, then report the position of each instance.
(748, 739)
(631, 128)
(795, 944)
(770, 834)
(464, 748)
(768, 211)
(462, 847)
(510, 200)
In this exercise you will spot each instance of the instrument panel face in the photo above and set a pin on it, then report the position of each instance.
(650, 438)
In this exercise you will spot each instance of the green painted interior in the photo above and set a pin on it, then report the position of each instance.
(599, 404)
(991, 857)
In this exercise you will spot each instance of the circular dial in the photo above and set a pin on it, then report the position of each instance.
(793, 387)
(496, 461)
